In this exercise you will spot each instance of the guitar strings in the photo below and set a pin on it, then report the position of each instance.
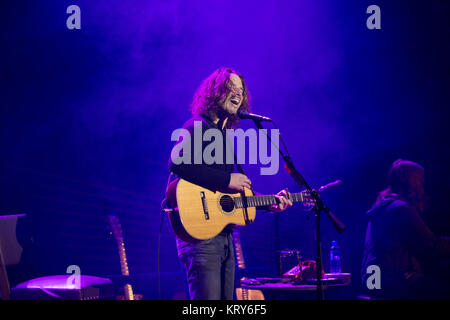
(249, 199)
(252, 201)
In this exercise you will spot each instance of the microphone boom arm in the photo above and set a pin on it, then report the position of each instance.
(318, 207)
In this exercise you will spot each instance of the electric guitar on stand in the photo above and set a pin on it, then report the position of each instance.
(117, 231)
(243, 293)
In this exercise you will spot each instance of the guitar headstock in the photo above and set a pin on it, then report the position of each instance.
(116, 228)
(308, 200)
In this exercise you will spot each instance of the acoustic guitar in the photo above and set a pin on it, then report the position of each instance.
(118, 234)
(243, 293)
(200, 213)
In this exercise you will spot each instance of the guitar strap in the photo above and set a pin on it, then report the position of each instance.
(238, 165)
(244, 198)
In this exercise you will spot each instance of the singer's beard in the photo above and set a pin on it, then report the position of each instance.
(219, 111)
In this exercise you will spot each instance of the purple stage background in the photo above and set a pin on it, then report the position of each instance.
(86, 117)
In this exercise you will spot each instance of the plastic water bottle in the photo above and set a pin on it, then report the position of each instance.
(335, 257)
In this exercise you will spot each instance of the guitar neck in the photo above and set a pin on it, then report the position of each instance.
(262, 201)
(238, 250)
(128, 290)
(123, 260)
(117, 231)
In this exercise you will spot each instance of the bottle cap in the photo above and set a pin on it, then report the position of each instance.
(334, 243)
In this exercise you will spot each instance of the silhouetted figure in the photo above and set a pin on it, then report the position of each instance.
(412, 260)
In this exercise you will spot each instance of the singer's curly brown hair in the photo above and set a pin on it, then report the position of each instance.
(215, 88)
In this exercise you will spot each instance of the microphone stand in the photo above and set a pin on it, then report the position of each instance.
(318, 207)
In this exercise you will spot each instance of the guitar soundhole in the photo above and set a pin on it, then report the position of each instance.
(227, 203)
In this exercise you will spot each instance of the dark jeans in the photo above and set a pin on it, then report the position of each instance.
(209, 266)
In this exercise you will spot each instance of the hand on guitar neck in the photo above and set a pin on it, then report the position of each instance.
(239, 181)
(284, 201)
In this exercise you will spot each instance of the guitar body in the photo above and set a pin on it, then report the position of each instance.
(135, 297)
(249, 294)
(202, 213)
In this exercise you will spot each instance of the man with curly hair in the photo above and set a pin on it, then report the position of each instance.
(210, 263)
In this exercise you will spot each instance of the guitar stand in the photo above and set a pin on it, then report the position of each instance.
(318, 207)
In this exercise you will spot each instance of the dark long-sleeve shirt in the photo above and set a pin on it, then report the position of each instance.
(213, 176)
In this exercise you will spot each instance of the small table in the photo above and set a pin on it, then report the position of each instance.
(285, 288)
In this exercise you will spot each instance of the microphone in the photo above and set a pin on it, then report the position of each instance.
(245, 115)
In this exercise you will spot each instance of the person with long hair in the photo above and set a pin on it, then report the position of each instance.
(398, 241)
(210, 264)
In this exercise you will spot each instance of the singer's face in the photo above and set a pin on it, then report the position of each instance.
(233, 100)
